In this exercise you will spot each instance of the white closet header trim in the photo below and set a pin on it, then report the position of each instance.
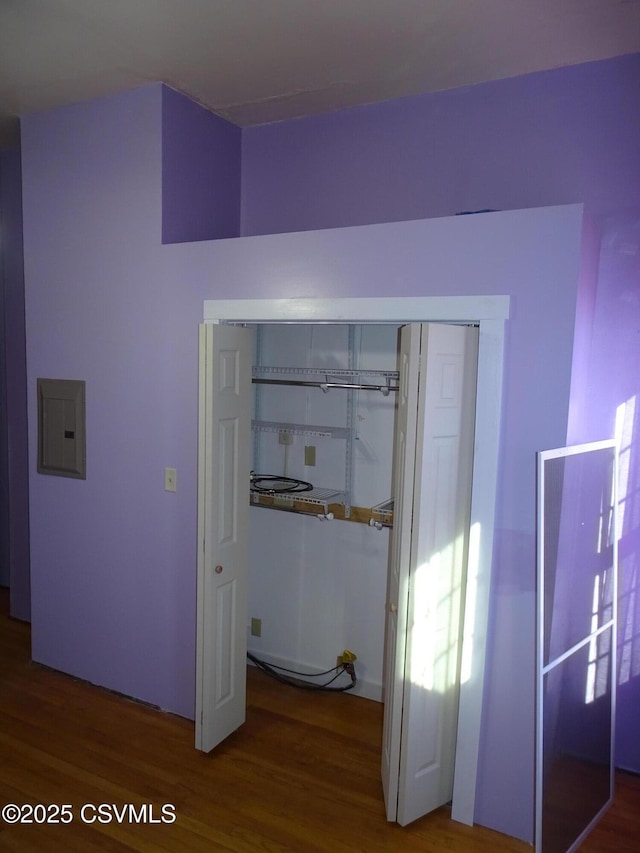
(452, 309)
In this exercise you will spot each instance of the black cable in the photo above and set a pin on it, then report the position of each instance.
(302, 685)
(278, 485)
(270, 669)
(297, 672)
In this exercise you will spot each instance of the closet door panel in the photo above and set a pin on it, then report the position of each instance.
(437, 579)
(433, 466)
(223, 527)
(405, 465)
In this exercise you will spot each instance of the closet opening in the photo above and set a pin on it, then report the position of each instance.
(221, 628)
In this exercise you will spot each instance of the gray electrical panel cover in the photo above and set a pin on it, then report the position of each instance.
(61, 428)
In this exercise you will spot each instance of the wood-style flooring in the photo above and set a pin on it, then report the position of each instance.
(301, 775)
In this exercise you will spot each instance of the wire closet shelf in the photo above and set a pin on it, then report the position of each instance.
(338, 378)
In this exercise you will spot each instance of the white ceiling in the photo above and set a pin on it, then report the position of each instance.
(256, 61)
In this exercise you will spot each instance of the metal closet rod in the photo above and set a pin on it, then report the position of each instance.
(350, 386)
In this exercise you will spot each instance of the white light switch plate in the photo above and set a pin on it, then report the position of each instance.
(170, 479)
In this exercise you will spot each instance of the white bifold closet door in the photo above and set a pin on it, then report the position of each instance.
(433, 467)
(223, 532)
(433, 460)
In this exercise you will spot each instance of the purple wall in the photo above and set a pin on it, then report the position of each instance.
(200, 172)
(535, 257)
(569, 135)
(12, 279)
(112, 556)
(558, 137)
(615, 384)
(581, 427)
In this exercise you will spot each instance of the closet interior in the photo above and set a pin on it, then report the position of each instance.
(324, 399)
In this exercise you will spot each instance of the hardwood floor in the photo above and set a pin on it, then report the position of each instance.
(301, 775)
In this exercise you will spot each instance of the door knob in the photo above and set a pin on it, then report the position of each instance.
(218, 570)
(393, 608)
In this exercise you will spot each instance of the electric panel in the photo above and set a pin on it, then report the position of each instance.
(61, 428)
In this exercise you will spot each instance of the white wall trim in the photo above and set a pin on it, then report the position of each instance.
(489, 312)
(408, 309)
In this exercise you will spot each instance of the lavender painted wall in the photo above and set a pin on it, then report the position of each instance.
(200, 172)
(564, 136)
(15, 427)
(113, 556)
(567, 135)
(615, 383)
(535, 257)
(581, 427)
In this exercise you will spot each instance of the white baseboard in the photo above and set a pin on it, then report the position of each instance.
(366, 689)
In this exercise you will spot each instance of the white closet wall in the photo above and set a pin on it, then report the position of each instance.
(319, 586)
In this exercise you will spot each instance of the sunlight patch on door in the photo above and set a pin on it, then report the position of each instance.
(468, 636)
(436, 620)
